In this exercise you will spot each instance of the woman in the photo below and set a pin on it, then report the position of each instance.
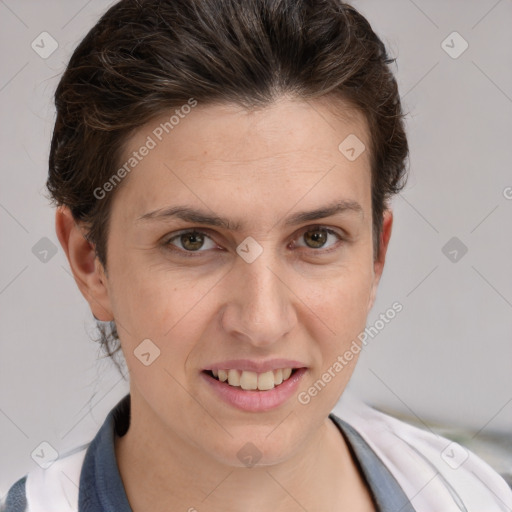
(222, 172)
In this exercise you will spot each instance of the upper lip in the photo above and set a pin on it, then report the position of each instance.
(255, 366)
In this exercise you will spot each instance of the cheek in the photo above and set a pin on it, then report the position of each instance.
(166, 303)
(340, 309)
(171, 307)
(341, 301)
(148, 296)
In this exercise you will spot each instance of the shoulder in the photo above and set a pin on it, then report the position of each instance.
(53, 488)
(16, 500)
(62, 483)
(434, 472)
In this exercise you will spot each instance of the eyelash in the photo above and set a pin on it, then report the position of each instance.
(194, 254)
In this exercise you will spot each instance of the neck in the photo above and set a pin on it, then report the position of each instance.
(162, 472)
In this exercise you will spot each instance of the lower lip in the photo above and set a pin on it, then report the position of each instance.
(256, 401)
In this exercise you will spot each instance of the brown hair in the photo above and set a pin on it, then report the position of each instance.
(145, 57)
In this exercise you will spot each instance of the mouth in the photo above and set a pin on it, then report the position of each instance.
(252, 381)
(254, 391)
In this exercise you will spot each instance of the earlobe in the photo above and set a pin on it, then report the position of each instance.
(378, 266)
(86, 269)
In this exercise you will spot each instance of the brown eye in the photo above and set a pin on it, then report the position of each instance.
(190, 241)
(316, 238)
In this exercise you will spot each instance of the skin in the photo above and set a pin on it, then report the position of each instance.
(294, 301)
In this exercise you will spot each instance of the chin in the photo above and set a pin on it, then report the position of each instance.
(255, 448)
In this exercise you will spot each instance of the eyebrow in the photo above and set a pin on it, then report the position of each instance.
(194, 215)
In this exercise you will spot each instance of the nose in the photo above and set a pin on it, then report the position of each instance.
(260, 305)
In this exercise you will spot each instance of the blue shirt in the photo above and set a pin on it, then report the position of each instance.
(101, 488)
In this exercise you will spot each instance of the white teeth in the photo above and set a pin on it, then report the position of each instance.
(266, 381)
(233, 378)
(251, 380)
(248, 380)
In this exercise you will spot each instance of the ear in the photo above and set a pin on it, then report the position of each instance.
(85, 266)
(378, 266)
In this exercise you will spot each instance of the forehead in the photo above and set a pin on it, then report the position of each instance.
(224, 154)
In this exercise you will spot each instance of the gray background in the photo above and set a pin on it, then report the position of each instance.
(446, 357)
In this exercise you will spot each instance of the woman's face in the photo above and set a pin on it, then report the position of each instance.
(280, 286)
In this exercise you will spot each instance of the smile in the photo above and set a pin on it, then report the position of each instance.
(252, 391)
(249, 380)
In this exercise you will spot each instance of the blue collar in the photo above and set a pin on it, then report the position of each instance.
(101, 488)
